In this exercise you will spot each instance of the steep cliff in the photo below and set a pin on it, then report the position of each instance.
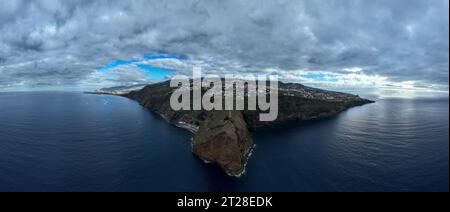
(223, 139)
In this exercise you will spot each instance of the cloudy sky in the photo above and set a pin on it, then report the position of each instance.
(381, 46)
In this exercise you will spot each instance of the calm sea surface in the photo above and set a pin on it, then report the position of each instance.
(57, 141)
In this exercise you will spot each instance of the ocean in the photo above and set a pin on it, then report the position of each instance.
(63, 141)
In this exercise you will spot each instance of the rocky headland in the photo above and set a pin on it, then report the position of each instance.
(223, 137)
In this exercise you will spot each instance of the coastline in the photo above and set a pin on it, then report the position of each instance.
(189, 127)
(249, 155)
(237, 135)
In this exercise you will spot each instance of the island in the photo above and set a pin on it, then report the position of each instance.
(224, 137)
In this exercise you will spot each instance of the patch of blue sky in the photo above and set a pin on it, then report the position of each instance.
(155, 73)
(116, 64)
(321, 77)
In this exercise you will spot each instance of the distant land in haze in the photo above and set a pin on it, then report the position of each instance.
(223, 137)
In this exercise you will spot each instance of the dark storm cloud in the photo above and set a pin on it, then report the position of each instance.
(55, 42)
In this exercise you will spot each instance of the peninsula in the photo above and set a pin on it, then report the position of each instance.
(223, 137)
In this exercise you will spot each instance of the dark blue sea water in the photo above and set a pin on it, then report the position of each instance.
(78, 142)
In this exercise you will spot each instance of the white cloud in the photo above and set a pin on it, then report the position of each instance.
(366, 43)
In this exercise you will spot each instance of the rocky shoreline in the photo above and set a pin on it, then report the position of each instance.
(189, 127)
